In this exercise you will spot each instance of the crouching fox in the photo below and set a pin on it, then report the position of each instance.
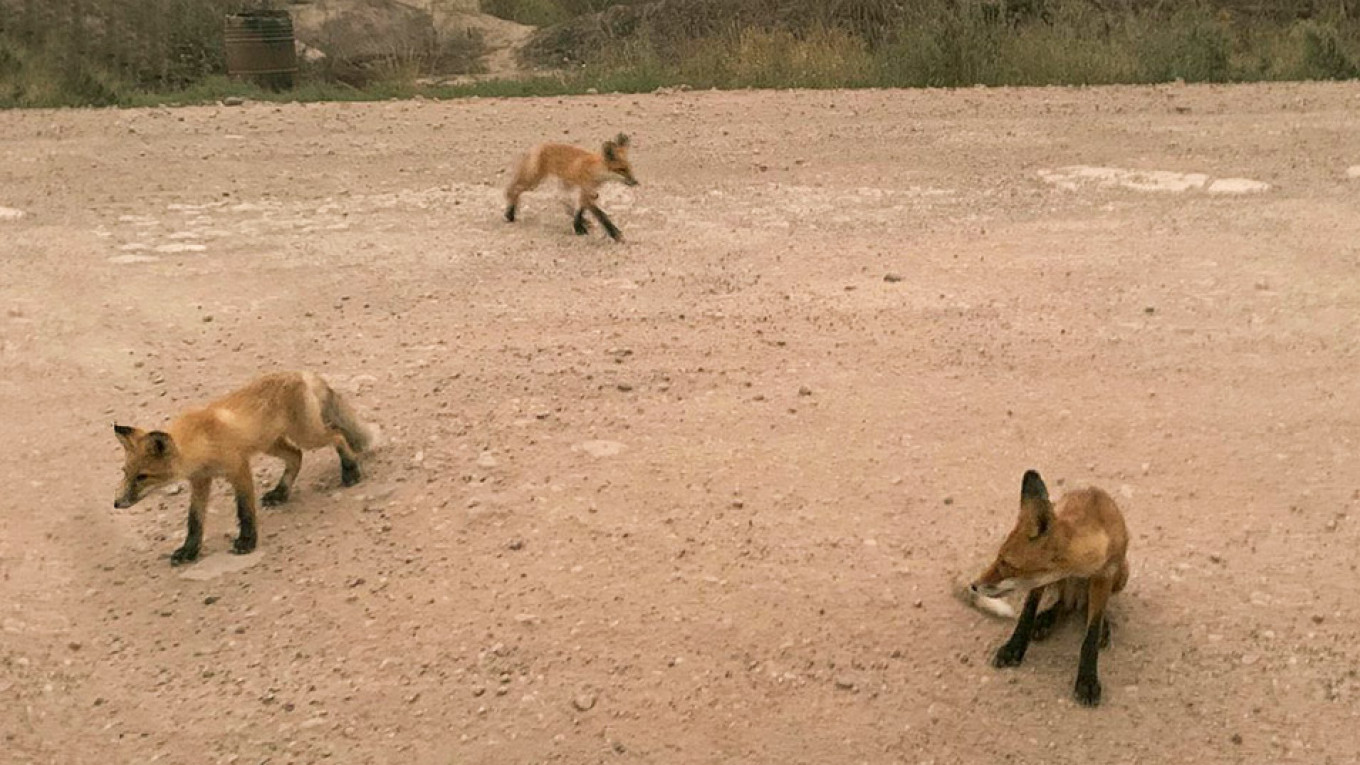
(1077, 548)
(278, 414)
(574, 167)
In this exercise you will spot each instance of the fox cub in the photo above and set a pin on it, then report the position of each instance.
(277, 414)
(574, 167)
(1078, 547)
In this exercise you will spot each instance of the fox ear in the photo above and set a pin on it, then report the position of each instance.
(608, 151)
(1036, 510)
(160, 443)
(1032, 487)
(126, 435)
(621, 140)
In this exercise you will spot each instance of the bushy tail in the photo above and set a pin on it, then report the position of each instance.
(336, 412)
(999, 608)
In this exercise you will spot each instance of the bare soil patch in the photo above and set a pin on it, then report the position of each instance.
(703, 497)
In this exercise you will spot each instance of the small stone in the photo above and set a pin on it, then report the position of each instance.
(949, 500)
(478, 690)
(1236, 738)
(624, 387)
(845, 683)
(211, 599)
(233, 101)
(207, 319)
(805, 391)
(1318, 618)
(1150, 310)
(73, 645)
(516, 544)
(918, 604)
(584, 702)
(892, 278)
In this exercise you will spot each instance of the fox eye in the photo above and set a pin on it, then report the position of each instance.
(141, 477)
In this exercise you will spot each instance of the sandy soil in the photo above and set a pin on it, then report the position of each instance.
(701, 497)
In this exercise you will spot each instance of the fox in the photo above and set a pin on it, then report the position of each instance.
(574, 167)
(278, 414)
(1078, 548)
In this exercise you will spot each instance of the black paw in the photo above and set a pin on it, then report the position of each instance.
(1087, 692)
(243, 545)
(581, 229)
(184, 555)
(350, 474)
(510, 214)
(275, 496)
(1008, 656)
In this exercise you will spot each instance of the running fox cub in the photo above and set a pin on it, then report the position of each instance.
(1079, 548)
(278, 414)
(574, 166)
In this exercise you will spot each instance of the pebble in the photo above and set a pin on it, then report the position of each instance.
(845, 683)
(233, 101)
(892, 278)
(584, 702)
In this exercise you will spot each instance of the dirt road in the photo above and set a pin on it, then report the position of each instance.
(701, 497)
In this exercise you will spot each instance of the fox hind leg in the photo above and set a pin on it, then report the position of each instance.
(526, 179)
(292, 463)
(350, 473)
(1048, 620)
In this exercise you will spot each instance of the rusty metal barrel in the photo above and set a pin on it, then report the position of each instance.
(259, 47)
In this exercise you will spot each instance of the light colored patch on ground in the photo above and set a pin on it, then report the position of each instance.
(1237, 186)
(9, 213)
(219, 565)
(1075, 177)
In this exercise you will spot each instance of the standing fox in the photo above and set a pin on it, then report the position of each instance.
(278, 414)
(1079, 547)
(574, 166)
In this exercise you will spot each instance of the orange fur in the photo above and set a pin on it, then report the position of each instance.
(576, 168)
(278, 414)
(1079, 549)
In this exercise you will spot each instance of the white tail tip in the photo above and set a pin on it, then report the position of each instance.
(999, 608)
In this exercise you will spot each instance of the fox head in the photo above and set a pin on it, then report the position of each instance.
(1030, 556)
(615, 155)
(150, 463)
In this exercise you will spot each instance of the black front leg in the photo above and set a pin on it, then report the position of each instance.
(1013, 651)
(578, 223)
(608, 224)
(1088, 676)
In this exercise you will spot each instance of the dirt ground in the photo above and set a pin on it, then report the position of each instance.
(705, 496)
